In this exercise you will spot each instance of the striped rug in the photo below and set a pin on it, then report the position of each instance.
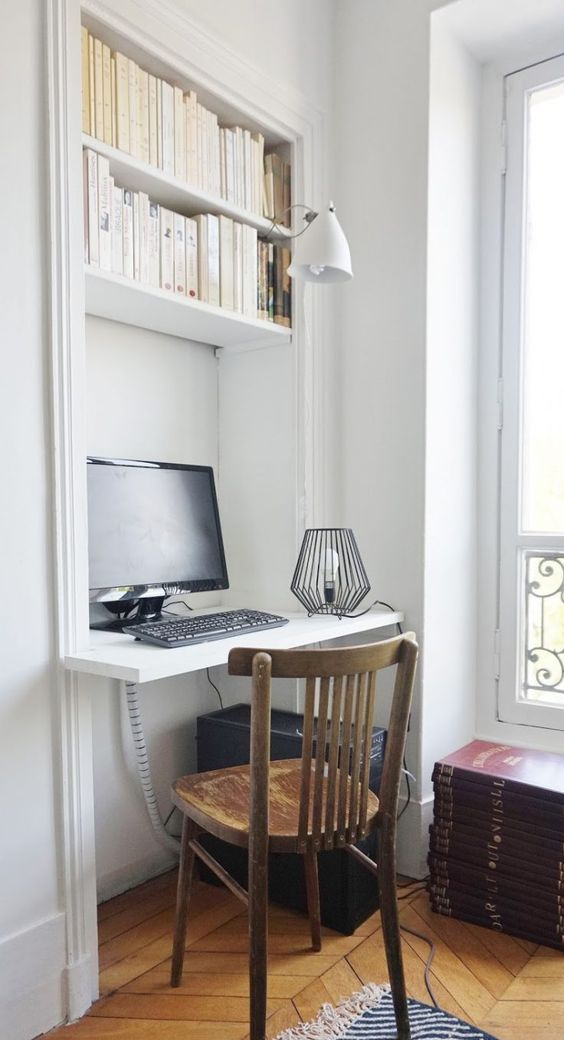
(369, 1015)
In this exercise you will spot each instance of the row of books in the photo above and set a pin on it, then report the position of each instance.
(155, 121)
(207, 257)
(497, 841)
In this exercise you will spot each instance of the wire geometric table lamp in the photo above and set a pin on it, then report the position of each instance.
(329, 577)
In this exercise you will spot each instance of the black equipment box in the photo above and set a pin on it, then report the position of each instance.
(348, 892)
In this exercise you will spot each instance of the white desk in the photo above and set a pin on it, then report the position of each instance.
(118, 656)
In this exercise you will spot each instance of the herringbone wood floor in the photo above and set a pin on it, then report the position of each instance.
(509, 987)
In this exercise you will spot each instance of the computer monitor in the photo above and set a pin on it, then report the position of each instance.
(153, 532)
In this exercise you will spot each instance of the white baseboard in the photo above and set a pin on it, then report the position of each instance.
(32, 980)
(110, 885)
(413, 837)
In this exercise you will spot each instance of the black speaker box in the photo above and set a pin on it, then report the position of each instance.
(348, 892)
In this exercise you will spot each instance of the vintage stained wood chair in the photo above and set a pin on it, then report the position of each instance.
(321, 801)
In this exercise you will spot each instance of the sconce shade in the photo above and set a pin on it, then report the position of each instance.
(322, 254)
(329, 577)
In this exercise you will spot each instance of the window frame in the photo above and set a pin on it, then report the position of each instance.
(512, 544)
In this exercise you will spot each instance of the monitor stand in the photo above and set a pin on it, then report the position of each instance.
(148, 609)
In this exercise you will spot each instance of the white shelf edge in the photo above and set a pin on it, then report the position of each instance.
(118, 656)
(173, 192)
(112, 296)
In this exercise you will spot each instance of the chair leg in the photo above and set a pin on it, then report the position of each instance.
(258, 938)
(391, 928)
(312, 889)
(185, 873)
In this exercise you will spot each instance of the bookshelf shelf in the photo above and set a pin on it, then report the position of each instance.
(130, 302)
(174, 193)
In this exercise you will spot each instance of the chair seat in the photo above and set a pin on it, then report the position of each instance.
(218, 801)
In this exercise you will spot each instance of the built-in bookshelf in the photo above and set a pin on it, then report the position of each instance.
(158, 149)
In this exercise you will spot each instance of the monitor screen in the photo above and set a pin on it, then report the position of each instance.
(153, 529)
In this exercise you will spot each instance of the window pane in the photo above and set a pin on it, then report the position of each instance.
(543, 313)
(543, 660)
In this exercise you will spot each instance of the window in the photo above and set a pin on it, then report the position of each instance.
(531, 648)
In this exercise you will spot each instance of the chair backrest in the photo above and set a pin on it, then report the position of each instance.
(341, 692)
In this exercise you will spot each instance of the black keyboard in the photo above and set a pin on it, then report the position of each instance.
(201, 628)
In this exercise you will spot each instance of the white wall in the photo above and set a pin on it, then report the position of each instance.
(30, 919)
(448, 670)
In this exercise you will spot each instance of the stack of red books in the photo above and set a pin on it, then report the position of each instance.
(497, 841)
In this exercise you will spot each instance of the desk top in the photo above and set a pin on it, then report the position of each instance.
(119, 656)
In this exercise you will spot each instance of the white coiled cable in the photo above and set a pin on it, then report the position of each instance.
(144, 770)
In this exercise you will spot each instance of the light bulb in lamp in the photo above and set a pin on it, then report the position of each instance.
(331, 572)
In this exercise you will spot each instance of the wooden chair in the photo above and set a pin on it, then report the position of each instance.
(321, 801)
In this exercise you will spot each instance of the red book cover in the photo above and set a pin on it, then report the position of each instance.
(535, 772)
(486, 922)
(503, 889)
(502, 836)
(491, 858)
(479, 873)
(461, 805)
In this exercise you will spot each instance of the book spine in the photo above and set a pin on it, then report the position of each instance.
(499, 796)
(107, 92)
(128, 263)
(203, 270)
(132, 105)
(191, 258)
(113, 70)
(262, 310)
(136, 237)
(91, 85)
(98, 90)
(271, 275)
(179, 135)
(286, 288)
(122, 102)
(518, 932)
(278, 286)
(502, 836)
(180, 254)
(455, 811)
(85, 80)
(144, 237)
(213, 259)
(442, 866)
(502, 889)
(237, 267)
(259, 200)
(92, 205)
(104, 206)
(167, 250)
(154, 244)
(153, 126)
(168, 127)
(518, 787)
(226, 262)
(160, 123)
(117, 230)
(490, 857)
(143, 114)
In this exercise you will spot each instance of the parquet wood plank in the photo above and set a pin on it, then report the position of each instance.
(545, 967)
(503, 947)
(91, 1028)
(534, 1014)
(213, 983)
(162, 924)
(369, 963)
(134, 915)
(469, 949)
(284, 1018)
(333, 944)
(340, 981)
(134, 896)
(148, 956)
(529, 987)
(311, 998)
(188, 1008)
(475, 1000)
(308, 964)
